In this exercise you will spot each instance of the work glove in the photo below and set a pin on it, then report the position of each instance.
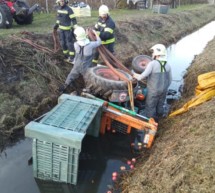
(137, 76)
(98, 33)
(62, 88)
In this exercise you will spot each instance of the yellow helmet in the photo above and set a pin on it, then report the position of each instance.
(103, 10)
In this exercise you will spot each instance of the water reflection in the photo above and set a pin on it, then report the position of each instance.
(98, 159)
(181, 54)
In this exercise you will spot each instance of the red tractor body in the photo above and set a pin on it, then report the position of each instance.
(10, 5)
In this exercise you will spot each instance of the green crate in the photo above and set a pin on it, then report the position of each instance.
(55, 162)
(57, 137)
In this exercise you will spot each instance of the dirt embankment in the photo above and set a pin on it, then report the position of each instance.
(183, 156)
(135, 35)
(30, 76)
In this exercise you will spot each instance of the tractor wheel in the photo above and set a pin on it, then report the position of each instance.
(102, 81)
(139, 63)
(6, 18)
(24, 19)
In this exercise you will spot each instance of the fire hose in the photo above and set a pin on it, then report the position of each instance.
(110, 60)
(56, 40)
(39, 47)
(30, 42)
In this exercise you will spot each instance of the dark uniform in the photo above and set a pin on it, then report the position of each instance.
(66, 21)
(105, 29)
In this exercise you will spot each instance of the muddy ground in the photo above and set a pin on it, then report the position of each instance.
(182, 158)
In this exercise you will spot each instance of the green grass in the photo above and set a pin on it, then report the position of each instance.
(43, 23)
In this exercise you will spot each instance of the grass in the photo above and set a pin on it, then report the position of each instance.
(43, 23)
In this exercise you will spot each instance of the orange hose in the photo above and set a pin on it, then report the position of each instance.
(110, 59)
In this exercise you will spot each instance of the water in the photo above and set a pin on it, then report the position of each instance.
(181, 54)
(100, 156)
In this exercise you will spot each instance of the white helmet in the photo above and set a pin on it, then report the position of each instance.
(80, 33)
(159, 50)
(58, 1)
(103, 10)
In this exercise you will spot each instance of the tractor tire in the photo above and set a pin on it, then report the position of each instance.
(139, 63)
(23, 19)
(6, 19)
(101, 80)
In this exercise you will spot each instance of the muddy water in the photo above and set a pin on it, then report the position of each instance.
(100, 156)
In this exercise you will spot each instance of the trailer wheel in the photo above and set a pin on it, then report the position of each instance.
(139, 63)
(6, 18)
(102, 81)
(24, 19)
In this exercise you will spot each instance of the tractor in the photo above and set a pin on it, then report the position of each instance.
(102, 82)
(18, 10)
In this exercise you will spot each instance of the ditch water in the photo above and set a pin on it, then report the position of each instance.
(99, 156)
(181, 54)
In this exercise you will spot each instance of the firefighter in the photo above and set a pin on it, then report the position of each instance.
(105, 28)
(84, 49)
(159, 77)
(66, 22)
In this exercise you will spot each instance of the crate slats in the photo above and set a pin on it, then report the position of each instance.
(57, 137)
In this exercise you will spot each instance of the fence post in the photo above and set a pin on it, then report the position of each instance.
(47, 7)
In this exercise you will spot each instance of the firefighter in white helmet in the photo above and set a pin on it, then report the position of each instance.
(66, 22)
(84, 49)
(159, 77)
(105, 27)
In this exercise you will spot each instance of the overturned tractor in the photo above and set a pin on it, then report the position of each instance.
(18, 10)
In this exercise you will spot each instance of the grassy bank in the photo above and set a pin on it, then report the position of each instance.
(183, 156)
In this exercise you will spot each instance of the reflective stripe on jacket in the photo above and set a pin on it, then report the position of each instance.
(105, 30)
(66, 18)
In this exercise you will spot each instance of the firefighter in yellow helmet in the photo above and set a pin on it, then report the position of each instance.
(105, 28)
(66, 22)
